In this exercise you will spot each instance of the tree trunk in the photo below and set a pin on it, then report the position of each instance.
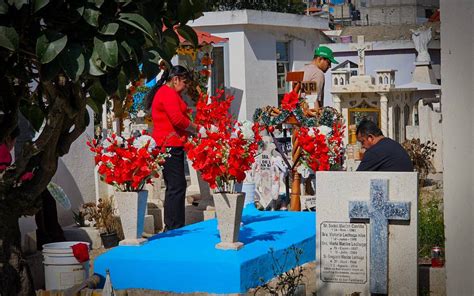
(15, 276)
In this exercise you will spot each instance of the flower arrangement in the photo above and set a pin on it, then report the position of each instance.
(127, 164)
(224, 149)
(322, 146)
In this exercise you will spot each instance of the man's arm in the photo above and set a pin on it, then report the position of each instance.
(370, 162)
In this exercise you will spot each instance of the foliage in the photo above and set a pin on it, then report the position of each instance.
(128, 164)
(224, 149)
(102, 215)
(431, 225)
(288, 6)
(79, 218)
(50, 70)
(56, 57)
(286, 281)
(421, 155)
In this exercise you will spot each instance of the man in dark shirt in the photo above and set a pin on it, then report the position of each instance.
(382, 154)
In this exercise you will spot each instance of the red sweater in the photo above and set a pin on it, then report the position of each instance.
(170, 118)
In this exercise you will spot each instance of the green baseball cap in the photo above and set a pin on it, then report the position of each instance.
(325, 52)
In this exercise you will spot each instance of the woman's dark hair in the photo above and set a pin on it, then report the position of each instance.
(177, 70)
(367, 127)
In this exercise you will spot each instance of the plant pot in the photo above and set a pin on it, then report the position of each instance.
(132, 207)
(109, 240)
(229, 208)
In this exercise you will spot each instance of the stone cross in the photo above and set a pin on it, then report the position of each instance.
(361, 47)
(379, 211)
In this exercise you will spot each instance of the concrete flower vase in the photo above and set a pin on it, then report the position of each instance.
(229, 208)
(132, 207)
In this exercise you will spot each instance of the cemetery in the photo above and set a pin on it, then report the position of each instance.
(102, 136)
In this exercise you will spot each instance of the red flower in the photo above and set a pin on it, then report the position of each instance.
(125, 164)
(320, 152)
(26, 176)
(81, 252)
(222, 154)
(290, 101)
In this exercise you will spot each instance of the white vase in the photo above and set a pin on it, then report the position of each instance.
(132, 208)
(229, 208)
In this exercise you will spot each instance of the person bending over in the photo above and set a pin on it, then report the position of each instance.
(382, 153)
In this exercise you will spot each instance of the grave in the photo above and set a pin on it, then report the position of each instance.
(367, 233)
(185, 260)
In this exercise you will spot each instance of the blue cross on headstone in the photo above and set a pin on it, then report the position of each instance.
(379, 211)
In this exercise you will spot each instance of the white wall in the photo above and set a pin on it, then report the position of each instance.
(252, 52)
(75, 174)
(457, 47)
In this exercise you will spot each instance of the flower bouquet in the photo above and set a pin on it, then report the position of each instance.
(321, 146)
(222, 152)
(129, 164)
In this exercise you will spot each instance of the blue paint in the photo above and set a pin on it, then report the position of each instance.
(379, 212)
(186, 260)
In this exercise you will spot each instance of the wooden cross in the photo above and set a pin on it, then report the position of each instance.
(361, 47)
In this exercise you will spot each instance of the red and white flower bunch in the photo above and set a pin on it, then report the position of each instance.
(128, 164)
(224, 149)
(322, 146)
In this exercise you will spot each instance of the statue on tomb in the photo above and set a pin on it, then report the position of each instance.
(421, 37)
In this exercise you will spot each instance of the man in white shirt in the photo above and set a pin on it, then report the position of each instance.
(323, 57)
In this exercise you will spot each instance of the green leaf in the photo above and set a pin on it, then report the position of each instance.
(109, 83)
(9, 38)
(151, 61)
(49, 71)
(107, 50)
(91, 16)
(109, 29)
(3, 8)
(97, 94)
(72, 61)
(94, 106)
(40, 4)
(189, 34)
(98, 3)
(34, 115)
(93, 65)
(80, 10)
(122, 85)
(18, 3)
(170, 37)
(137, 21)
(125, 50)
(49, 45)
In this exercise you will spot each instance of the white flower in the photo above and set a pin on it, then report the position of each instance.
(304, 171)
(202, 132)
(143, 140)
(247, 131)
(312, 131)
(324, 130)
(141, 114)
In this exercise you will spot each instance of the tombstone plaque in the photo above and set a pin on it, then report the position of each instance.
(366, 233)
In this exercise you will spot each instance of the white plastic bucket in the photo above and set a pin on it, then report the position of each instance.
(61, 268)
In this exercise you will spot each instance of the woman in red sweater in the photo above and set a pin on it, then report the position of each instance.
(171, 125)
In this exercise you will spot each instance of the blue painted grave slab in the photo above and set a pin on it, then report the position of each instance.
(185, 260)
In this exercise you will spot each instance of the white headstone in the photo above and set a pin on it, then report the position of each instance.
(263, 173)
(375, 251)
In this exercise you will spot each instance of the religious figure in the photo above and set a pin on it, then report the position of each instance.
(421, 37)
